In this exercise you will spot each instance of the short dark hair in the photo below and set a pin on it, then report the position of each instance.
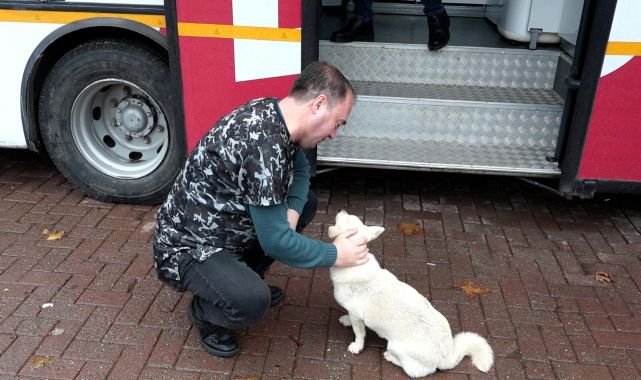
(321, 78)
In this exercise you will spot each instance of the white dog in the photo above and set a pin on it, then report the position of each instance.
(419, 338)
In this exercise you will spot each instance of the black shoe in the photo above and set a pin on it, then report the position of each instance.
(354, 30)
(216, 340)
(277, 295)
(439, 27)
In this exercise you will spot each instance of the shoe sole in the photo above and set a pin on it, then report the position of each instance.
(277, 300)
(218, 353)
(437, 47)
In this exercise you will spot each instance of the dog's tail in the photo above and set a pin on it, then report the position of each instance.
(473, 345)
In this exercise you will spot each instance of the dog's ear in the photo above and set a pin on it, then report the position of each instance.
(341, 214)
(332, 232)
(373, 232)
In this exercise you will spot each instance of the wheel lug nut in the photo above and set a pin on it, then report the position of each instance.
(147, 140)
(128, 138)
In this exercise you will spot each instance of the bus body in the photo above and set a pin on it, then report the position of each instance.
(118, 92)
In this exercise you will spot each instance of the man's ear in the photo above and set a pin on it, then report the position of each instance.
(373, 232)
(332, 232)
(319, 103)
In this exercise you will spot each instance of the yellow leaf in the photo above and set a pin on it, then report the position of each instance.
(603, 277)
(40, 361)
(472, 289)
(53, 235)
(410, 228)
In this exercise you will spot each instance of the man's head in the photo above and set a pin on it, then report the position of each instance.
(328, 97)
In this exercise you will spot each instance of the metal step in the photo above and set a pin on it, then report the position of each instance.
(468, 119)
(437, 156)
(452, 65)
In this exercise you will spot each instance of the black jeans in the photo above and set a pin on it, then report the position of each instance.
(228, 289)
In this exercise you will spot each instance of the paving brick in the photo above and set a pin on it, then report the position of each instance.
(58, 339)
(531, 345)
(318, 369)
(557, 344)
(55, 368)
(538, 370)
(280, 357)
(248, 366)
(617, 340)
(98, 323)
(90, 351)
(167, 348)
(17, 354)
(167, 374)
(35, 326)
(6, 340)
(131, 362)
(103, 298)
(253, 344)
(94, 370)
(573, 371)
(41, 278)
(313, 339)
(201, 361)
(132, 335)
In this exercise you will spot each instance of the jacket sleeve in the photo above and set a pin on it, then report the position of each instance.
(284, 244)
(297, 194)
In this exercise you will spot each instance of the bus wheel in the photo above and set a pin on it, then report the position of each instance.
(107, 120)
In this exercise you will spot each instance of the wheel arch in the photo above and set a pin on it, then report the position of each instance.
(63, 39)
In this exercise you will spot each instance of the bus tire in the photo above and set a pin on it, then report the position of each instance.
(107, 119)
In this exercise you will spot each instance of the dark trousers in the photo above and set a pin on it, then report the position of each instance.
(228, 289)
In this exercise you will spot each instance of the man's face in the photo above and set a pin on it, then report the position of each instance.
(326, 121)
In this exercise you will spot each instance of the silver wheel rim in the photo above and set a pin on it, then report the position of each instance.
(119, 129)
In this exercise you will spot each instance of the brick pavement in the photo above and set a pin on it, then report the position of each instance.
(545, 316)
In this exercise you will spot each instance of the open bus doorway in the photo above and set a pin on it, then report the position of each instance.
(492, 101)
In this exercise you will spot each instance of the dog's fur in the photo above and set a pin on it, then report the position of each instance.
(419, 338)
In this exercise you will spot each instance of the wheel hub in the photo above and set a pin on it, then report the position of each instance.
(134, 117)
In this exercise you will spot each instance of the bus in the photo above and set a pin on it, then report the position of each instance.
(117, 92)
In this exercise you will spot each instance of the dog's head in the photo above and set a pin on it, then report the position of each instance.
(345, 221)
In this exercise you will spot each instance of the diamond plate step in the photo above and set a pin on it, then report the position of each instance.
(437, 156)
(458, 109)
(452, 65)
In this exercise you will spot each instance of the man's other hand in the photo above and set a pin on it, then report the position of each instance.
(351, 249)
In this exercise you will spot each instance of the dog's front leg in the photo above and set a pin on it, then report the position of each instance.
(358, 325)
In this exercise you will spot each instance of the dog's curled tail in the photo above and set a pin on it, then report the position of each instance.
(472, 345)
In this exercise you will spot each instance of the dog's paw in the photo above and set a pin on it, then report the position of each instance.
(355, 348)
(345, 320)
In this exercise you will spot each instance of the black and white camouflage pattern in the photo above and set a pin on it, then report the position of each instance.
(245, 159)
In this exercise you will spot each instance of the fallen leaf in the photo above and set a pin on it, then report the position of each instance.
(603, 277)
(472, 289)
(410, 228)
(41, 361)
(53, 235)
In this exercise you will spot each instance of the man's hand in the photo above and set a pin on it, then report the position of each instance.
(351, 249)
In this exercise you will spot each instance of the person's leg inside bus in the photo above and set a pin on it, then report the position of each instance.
(358, 28)
(438, 24)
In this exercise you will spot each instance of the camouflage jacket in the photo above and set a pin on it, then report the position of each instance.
(246, 159)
